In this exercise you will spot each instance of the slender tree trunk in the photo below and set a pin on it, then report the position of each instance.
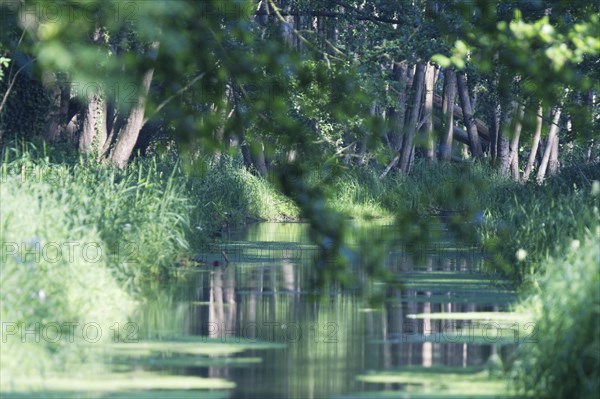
(362, 149)
(593, 143)
(400, 71)
(408, 146)
(494, 132)
(448, 111)
(589, 155)
(514, 144)
(550, 142)
(534, 145)
(553, 163)
(428, 111)
(225, 110)
(503, 144)
(134, 122)
(465, 102)
(482, 129)
(93, 115)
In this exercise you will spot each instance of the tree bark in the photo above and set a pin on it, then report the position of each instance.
(400, 71)
(428, 111)
(134, 122)
(514, 144)
(503, 146)
(550, 142)
(467, 112)
(482, 129)
(60, 97)
(245, 148)
(534, 145)
(287, 27)
(113, 125)
(458, 134)
(94, 134)
(408, 146)
(589, 154)
(257, 153)
(553, 163)
(448, 111)
(494, 132)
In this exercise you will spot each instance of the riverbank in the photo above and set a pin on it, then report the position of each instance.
(61, 213)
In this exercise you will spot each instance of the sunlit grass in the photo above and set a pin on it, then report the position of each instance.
(564, 358)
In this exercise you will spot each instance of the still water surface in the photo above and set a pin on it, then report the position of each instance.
(243, 325)
(261, 294)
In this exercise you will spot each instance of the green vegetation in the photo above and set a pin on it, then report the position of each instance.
(443, 382)
(564, 359)
(134, 135)
(541, 221)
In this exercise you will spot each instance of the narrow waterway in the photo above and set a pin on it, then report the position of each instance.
(245, 325)
(261, 295)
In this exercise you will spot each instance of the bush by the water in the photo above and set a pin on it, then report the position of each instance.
(562, 360)
(539, 221)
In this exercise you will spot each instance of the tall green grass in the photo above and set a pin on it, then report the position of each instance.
(562, 360)
(140, 215)
(227, 195)
(539, 220)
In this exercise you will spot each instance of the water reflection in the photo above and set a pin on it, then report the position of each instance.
(260, 295)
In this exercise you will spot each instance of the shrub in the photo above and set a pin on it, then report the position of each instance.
(563, 361)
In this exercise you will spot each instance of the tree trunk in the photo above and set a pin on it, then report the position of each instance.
(364, 141)
(408, 146)
(113, 125)
(94, 133)
(482, 129)
(514, 144)
(257, 153)
(534, 145)
(503, 146)
(467, 110)
(494, 132)
(464, 149)
(589, 154)
(60, 97)
(400, 71)
(448, 111)
(135, 120)
(287, 27)
(428, 111)
(225, 109)
(245, 148)
(550, 142)
(553, 163)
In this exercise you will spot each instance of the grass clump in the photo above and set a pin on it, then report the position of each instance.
(226, 194)
(78, 242)
(140, 215)
(563, 358)
(357, 193)
(526, 223)
(55, 269)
